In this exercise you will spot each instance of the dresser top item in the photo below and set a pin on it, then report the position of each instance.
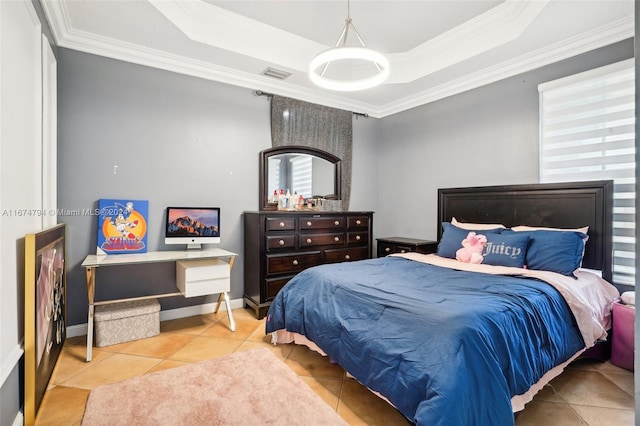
(310, 211)
(96, 260)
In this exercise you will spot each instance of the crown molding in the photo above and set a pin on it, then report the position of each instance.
(57, 17)
(116, 49)
(82, 41)
(494, 28)
(614, 32)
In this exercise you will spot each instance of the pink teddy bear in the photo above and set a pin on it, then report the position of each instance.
(471, 251)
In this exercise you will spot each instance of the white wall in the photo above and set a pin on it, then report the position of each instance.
(20, 181)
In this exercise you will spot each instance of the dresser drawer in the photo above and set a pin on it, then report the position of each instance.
(331, 222)
(281, 223)
(386, 248)
(332, 239)
(292, 263)
(345, 255)
(280, 241)
(358, 238)
(275, 284)
(355, 222)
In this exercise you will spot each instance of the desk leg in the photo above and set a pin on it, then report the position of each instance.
(224, 296)
(91, 281)
(232, 324)
(220, 299)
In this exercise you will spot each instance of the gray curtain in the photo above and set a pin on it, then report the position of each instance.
(295, 122)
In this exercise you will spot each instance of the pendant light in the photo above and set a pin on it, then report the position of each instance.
(320, 64)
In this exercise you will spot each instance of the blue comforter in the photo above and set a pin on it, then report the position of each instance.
(445, 347)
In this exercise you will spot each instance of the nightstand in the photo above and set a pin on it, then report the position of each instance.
(404, 245)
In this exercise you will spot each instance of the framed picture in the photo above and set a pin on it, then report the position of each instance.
(45, 299)
(122, 226)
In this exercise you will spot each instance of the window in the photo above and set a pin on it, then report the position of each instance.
(587, 133)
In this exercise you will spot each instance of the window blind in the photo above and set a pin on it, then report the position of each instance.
(301, 175)
(587, 133)
(274, 175)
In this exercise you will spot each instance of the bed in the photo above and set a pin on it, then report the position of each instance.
(448, 339)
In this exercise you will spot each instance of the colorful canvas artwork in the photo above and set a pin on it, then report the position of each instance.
(122, 226)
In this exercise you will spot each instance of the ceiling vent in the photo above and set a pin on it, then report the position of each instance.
(276, 73)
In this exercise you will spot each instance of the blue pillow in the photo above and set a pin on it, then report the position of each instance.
(452, 237)
(555, 251)
(505, 249)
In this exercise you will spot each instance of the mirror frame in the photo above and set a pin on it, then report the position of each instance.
(295, 149)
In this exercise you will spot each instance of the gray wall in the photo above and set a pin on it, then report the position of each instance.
(176, 140)
(486, 136)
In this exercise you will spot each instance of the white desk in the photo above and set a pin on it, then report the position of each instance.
(92, 261)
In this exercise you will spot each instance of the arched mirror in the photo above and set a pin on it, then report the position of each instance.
(306, 171)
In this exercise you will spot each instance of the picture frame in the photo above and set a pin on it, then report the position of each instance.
(45, 300)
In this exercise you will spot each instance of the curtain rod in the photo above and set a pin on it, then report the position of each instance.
(270, 95)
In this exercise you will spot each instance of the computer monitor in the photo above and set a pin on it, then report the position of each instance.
(192, 226)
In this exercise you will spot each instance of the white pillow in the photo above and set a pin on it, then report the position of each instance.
(475, 226)
(584, 229)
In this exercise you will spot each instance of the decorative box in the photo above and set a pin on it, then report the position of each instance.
(622, 339)
(125, 321)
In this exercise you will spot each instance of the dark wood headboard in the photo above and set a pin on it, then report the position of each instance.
(558, 205)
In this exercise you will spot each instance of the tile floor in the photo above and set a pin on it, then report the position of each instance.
(587, 393)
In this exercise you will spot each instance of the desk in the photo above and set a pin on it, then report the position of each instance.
(92, 262)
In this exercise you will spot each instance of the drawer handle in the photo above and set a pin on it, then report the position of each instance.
(308, 240)
(281, 242)
(281, 224)
(336, 239)
(347, 257)
(357, 237)
(358, 222)
(388, 249)
(336, 223)
(309, 223)
(295, 263)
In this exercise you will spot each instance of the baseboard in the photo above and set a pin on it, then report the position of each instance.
(190, 311)
(19, 420)
(9, 364)
(171, 314)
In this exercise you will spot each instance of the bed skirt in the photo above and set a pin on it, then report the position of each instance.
(517, 402)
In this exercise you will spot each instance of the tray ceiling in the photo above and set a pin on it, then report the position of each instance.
(436, 48)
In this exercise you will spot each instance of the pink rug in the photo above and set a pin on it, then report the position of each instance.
(243, 388)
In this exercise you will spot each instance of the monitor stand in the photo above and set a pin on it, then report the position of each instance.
(194, 246)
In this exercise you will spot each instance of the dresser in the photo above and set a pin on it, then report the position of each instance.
(278, 245)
